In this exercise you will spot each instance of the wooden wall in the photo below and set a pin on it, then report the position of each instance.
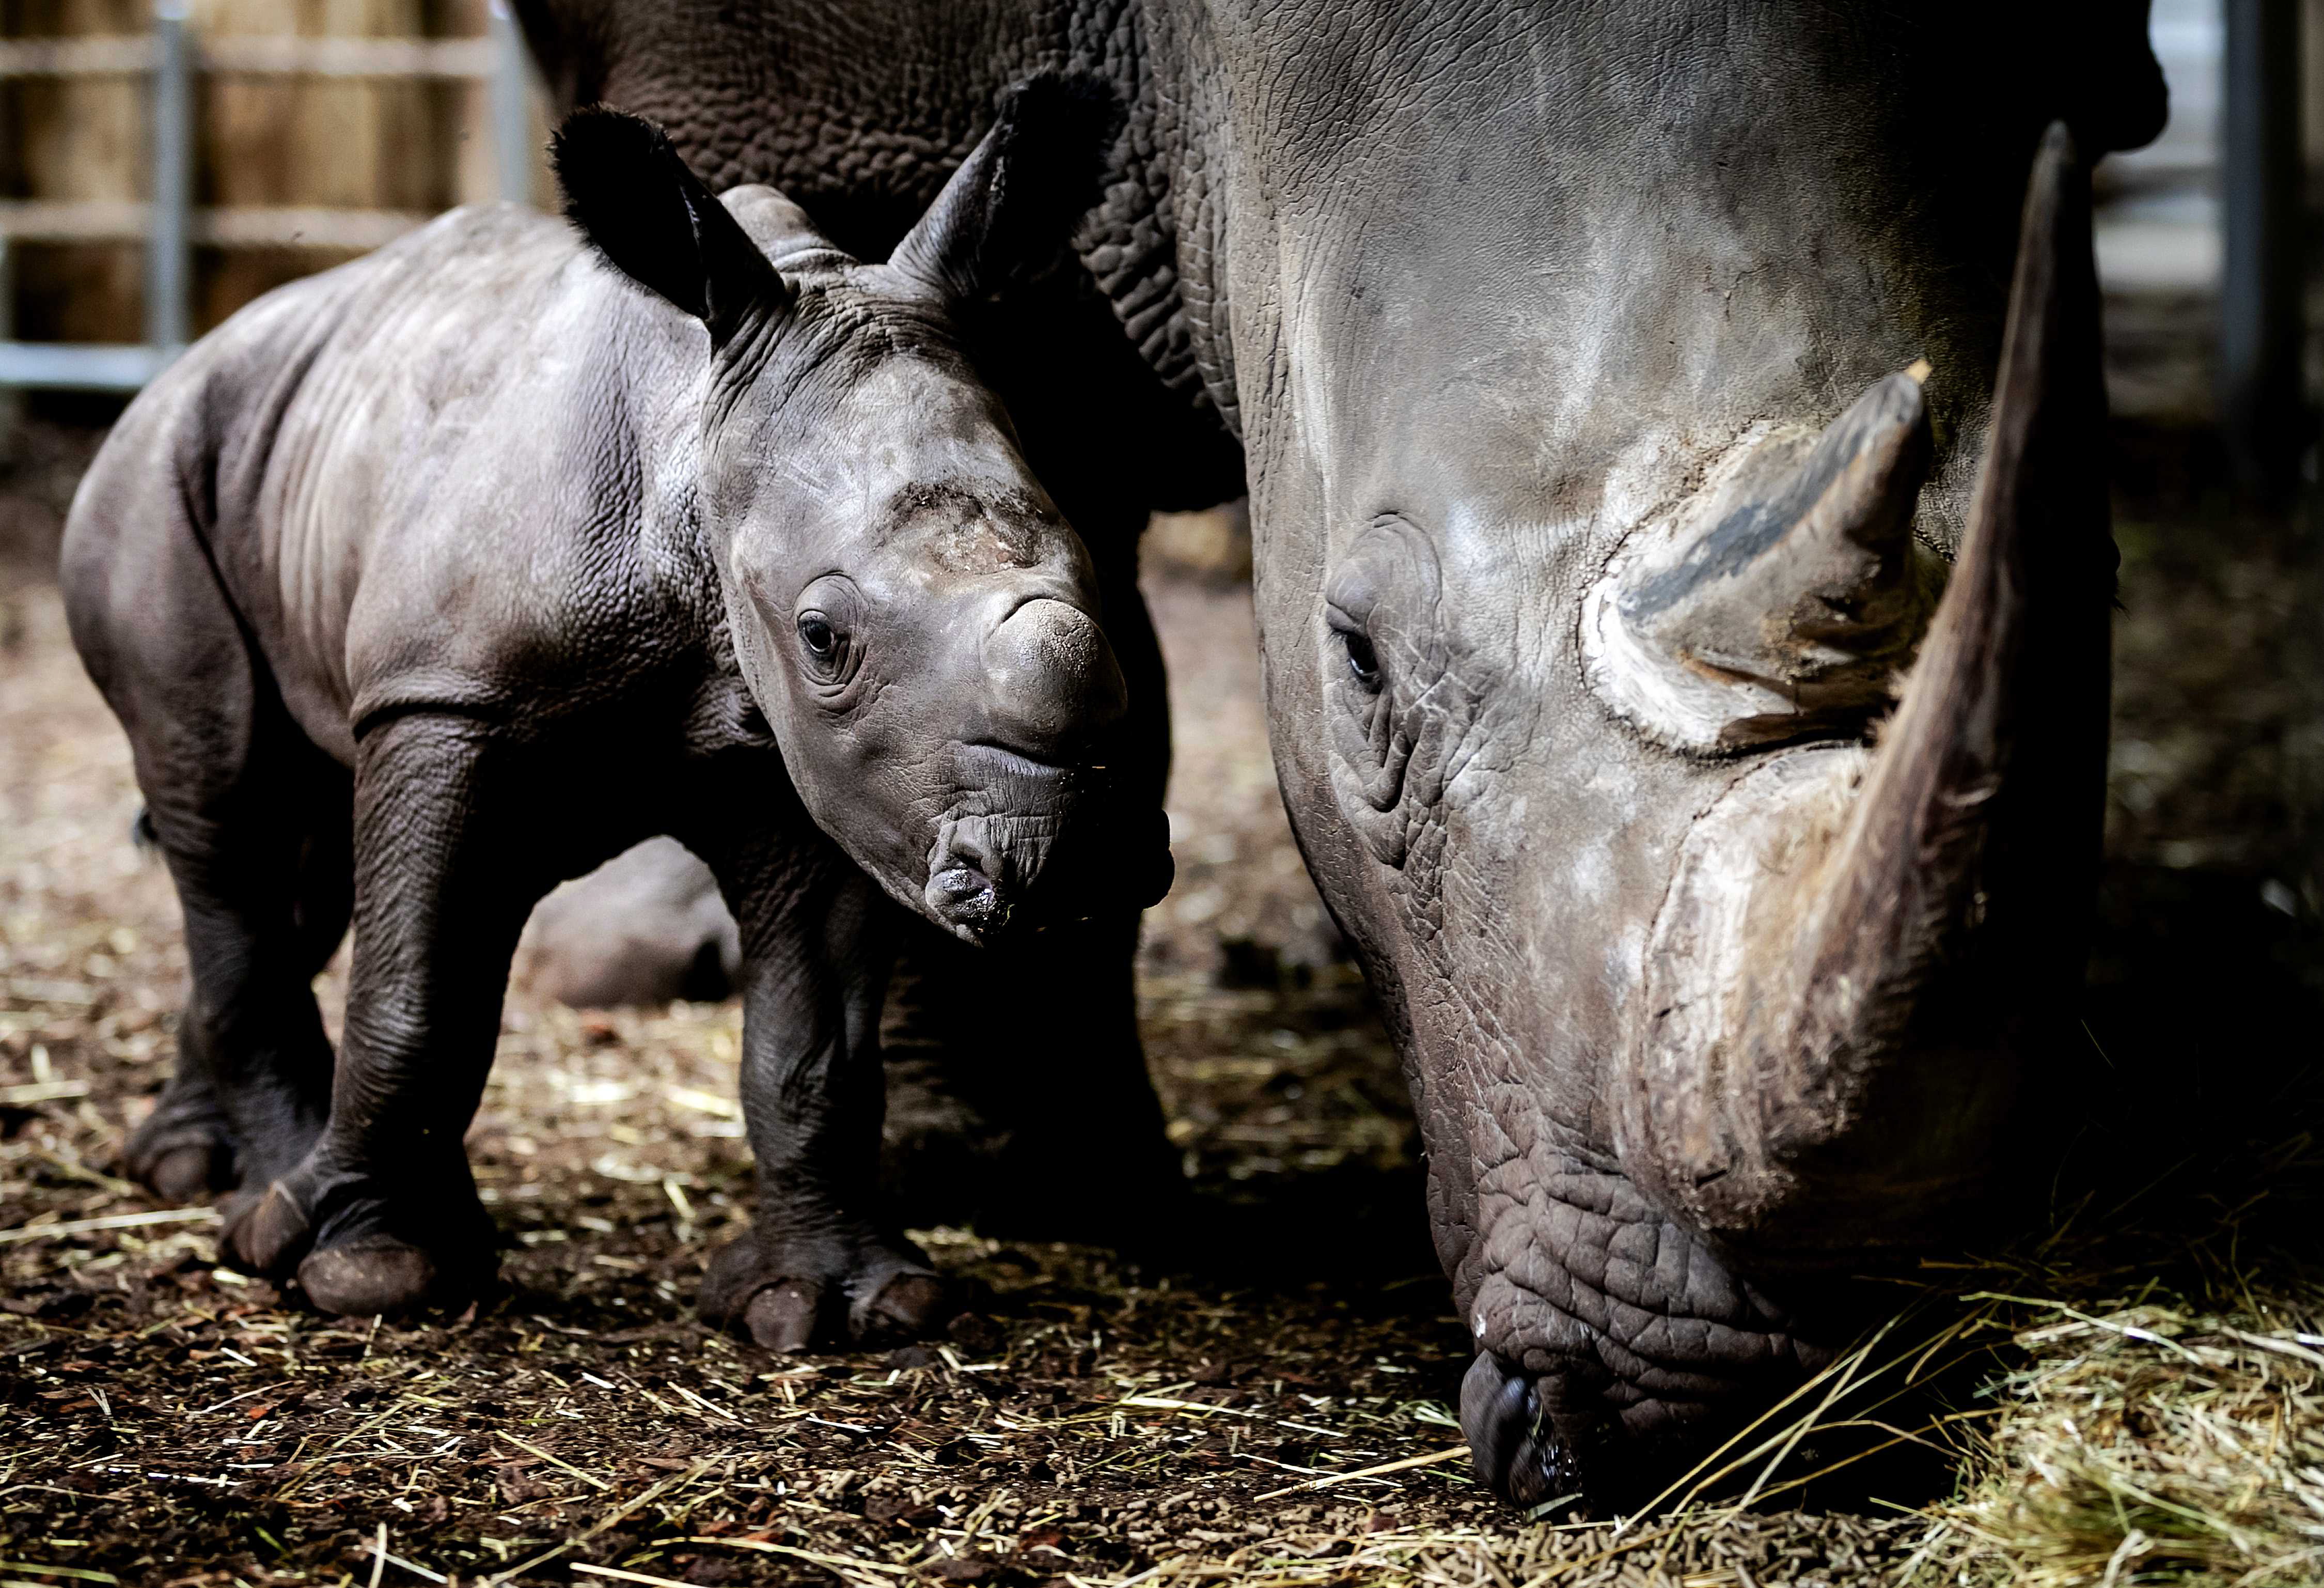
(332, 143)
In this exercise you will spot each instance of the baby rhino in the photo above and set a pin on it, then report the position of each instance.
(424, 584)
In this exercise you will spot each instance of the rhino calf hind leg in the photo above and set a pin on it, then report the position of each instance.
(382, 1214)
(252, 821)
(263, 912)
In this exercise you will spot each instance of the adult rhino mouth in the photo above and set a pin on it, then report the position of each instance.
(1515, 1452)
(1026, 842)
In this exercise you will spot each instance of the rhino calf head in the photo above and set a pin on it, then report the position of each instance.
(917, 621)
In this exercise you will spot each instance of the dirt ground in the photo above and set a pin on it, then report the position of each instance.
(1283, 1415)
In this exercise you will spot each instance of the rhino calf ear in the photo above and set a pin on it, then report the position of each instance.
(634, 199)
(1014, 199)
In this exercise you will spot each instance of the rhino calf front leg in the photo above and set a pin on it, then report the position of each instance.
(819, 1265)
(383, 1215)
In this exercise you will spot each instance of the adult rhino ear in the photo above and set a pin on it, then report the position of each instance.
(634, 199)
(1013, 199)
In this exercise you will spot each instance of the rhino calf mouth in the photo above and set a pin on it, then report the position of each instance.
(998, 835)
(999, 845)
(966, 899)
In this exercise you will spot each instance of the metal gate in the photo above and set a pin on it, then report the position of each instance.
(170, 225)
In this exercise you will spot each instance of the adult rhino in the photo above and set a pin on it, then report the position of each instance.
(1596, 517)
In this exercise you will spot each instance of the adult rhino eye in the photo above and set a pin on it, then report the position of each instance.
(1363, 661)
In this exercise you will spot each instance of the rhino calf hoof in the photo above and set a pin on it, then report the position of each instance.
(796, 1296)
(783, 1316)
(909, 1307)
(376, 1275)
(181, 1152)
(186, 1172)
(789, 1314)
(265, 1235)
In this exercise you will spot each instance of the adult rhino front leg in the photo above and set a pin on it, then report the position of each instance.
(1018, 1094)
(381, 1215)
(818, 1266)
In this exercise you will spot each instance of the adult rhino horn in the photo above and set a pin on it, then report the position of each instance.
(1785, 598)
(1861, 948)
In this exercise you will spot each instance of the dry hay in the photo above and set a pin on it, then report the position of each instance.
(2154, 1445)
(2166, 1423)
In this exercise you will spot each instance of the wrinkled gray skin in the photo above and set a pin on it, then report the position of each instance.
(427, 582)
(1489, 293)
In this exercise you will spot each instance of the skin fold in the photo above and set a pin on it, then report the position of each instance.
(1490, 301)
(424, 584)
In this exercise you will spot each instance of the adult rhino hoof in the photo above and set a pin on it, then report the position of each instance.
(795, 1298)
(376, 1274)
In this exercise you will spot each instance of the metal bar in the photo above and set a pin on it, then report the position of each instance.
(511, 108)
(79, 366)
(292, 227)
(169, 248)
(258, 55)
(2260, 331)
(112, 220)
(12, 406)
(87, 220)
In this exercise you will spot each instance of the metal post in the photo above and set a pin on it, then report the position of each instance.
(167, 246)
(511, 107)
(2262, 333)
(11, 405)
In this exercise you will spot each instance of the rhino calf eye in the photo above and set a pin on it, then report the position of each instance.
(817, 634)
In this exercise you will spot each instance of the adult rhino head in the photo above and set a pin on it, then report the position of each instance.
(1615, 392)
(1691, 718)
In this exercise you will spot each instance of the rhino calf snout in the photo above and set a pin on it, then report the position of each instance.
(1008, 813)
(1053, 682)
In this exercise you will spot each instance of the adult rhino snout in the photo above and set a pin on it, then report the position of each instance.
(1053, 688)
